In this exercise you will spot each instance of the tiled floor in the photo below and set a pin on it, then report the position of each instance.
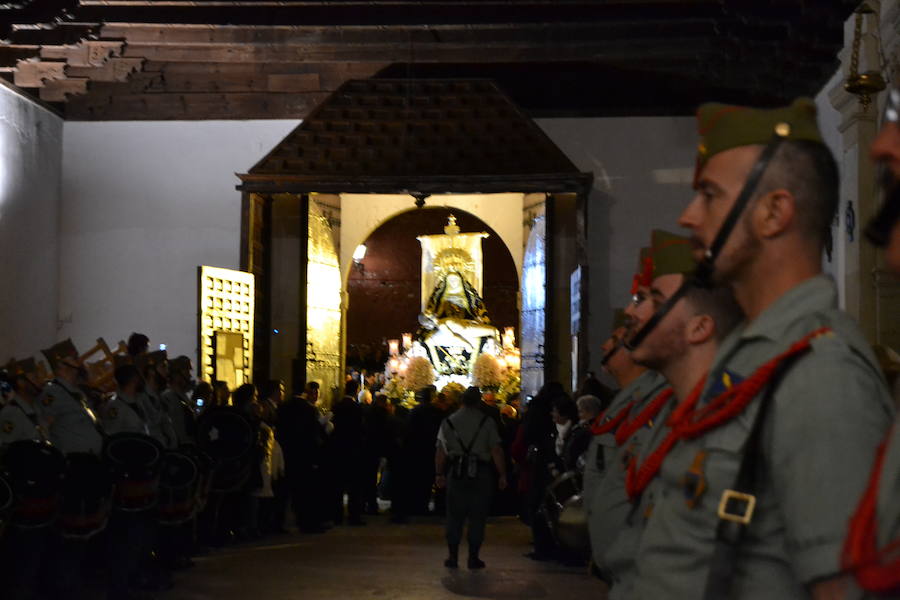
(380, 560)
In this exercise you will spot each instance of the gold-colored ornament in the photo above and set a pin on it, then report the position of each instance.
(783, 129)
(867, 84)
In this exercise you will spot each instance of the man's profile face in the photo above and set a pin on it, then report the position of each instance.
(886, 149)
(718, 186)
(666, 341)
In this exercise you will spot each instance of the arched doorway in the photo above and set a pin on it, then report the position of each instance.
(384, 288)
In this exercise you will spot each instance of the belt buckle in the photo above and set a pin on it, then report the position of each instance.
(743, 519)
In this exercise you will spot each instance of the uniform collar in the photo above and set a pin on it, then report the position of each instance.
(815, 294)
(72, 389)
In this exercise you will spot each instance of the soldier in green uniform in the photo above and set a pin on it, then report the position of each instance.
(176, 401)
(125, 413)
(153, 367)
(875, 526)
(603, 479)
(20, 418)
(753, 499)
(70, 423)
(671, 351)
(468, 442)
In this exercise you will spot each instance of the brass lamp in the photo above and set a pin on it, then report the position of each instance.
(869, 82)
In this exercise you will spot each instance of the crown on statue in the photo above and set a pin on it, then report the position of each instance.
(453, 259)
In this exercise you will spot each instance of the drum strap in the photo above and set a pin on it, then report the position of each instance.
(467, 449)
(79, 398)
(33, 417)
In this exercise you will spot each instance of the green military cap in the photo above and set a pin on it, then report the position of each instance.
(63, 351)
(725, 126)
(671, 254)
(150, 359)
(180, 364)
(27, 366)
(620, 319)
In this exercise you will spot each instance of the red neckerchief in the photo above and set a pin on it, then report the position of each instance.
(598, 428)
(689, 422)
(629, 428)
(875, 571)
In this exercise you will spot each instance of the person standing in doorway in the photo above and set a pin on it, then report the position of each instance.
(468, 441)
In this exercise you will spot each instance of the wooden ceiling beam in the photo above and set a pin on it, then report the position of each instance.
(84, 54)
(193, 106)
(53, 33)
(600, 50)
(10, 54)
(33, 73)
(113, 70)
(61, 89)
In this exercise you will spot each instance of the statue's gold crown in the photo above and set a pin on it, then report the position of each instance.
(453, 259)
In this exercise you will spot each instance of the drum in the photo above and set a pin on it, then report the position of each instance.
(177, 488)
(227, 436)
(134, 460)
(7, 500)
(204, 473)
(564, 511)
(87, 497)
(36, 471)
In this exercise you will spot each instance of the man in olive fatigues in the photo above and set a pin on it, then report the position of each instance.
(467, 443)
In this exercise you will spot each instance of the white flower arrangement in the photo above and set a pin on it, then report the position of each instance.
(419, 373)
(394, 389)
(486, 372)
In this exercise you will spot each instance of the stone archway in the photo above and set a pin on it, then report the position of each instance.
(383, 291)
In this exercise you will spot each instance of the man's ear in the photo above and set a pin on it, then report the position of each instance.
(774, 212)
(700, 328)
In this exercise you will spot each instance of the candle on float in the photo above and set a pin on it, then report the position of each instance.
(394, 347)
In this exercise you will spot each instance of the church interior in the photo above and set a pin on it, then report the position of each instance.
(422, 192)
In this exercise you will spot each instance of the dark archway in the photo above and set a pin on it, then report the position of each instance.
(384, 291)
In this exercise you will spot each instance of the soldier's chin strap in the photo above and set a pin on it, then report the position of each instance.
(703, 275)
(606, 357)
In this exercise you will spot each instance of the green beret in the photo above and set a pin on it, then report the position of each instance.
(725, 126)
(620, 319)
(671, 254)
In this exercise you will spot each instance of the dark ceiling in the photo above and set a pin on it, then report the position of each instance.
(240, 59)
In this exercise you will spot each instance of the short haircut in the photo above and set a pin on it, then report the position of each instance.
(243, 395)
(268, 388)
(566, 407)
(591, 404)
(312, 386)
(808, 170)
(471, 397)
(138, 343)
(351, 387)
(717, 302)
(126, 374)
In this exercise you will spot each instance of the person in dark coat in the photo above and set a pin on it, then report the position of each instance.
(421, 436)
(302, 437)
(347, 447)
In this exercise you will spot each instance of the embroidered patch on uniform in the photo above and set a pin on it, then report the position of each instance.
(8, 426)
(726, 381)
(112, 412)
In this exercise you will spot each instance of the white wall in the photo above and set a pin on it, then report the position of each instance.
(30, 167)
(643, 168)
(145, 203)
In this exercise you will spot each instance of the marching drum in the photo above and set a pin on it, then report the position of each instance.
(228, 437)
(177, 488)
(87, 497)
(7, 499)
(564, 511)
(204, 473)
(36, 472)
(135, 461)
